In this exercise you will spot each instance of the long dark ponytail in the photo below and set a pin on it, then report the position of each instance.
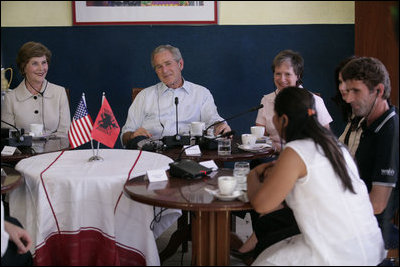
(299, 105)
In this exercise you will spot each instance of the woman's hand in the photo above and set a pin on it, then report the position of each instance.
(257, 176)
(263, 170)
(19, 236)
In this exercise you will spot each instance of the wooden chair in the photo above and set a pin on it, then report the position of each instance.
(135, 91)
(316, 93)
(68, 96)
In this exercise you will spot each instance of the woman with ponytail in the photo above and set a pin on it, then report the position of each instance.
(317, 178)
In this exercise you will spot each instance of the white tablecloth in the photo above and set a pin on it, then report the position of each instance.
(69, 211)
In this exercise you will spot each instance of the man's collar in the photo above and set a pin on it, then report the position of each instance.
(186, 87)
(380, 121)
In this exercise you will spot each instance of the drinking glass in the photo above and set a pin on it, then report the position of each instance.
(224, 146)
(184, 129)
(210, 131)
(240, 171)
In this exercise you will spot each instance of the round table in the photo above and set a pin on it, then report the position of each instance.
(77, 213)
(210, 216)
(39, 146)
(11, 180)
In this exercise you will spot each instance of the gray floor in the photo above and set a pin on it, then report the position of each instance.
(243, 230)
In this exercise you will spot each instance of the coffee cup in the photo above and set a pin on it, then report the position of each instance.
(197, 128)
(258, 131)
(36, 129)
(226, 185)
(249, 139)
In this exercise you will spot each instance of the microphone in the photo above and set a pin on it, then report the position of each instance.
(176, 121)
(176, 140)
(211, 144)
(227, 134)
(19, 139)
(235, 116)
(183, 149)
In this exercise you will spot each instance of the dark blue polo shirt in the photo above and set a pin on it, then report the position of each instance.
(377, 158)
(377, 155)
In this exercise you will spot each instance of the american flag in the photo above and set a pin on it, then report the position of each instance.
(81, 127)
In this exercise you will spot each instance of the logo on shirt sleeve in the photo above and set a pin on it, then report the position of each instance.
(387, 172)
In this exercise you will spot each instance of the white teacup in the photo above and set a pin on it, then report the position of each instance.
(197, 128)
(36, 129)
(226, 185)
(249, 139)
(258, 131)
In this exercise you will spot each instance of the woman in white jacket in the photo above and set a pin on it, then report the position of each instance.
(36, 100)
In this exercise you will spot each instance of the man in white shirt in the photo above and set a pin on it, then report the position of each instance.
(153, 112)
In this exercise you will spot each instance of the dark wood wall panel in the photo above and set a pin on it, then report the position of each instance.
(375, 36)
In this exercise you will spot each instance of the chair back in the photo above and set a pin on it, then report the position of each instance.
(68, 96)
(135, 91)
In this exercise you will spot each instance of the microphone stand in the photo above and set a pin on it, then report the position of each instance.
(176, 140)
(235, 116)
(96, 157)
(177, 137)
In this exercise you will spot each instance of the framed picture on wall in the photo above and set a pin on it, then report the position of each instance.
(144, 12)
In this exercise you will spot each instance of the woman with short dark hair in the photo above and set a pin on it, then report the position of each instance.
(35, 99)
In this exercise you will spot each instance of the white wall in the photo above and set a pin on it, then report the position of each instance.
(59, 13)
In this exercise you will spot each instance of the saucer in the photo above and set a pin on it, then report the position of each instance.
(263, 140)
(42, 137)
(254, 148)
(234, 195)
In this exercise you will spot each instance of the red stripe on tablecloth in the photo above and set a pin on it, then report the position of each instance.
(129, 175)
(86, 247)
(45, 190)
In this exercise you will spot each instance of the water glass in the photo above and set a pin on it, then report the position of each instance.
(240, 171)
(184, 129)
(224, 147)
(210, 131)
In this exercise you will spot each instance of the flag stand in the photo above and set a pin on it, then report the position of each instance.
(96, 157)
(93, 158)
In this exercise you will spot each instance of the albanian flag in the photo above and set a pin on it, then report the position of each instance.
(106, 128)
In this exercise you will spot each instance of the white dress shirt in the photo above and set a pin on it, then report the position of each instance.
(154, 109)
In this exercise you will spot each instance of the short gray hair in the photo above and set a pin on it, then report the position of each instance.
(174, 51)
(295, 59)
